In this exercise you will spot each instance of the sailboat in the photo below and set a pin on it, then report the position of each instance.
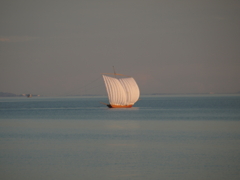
(122, 92)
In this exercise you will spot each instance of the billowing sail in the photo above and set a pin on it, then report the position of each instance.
(116, 93)
(121, 92)
(131, 89)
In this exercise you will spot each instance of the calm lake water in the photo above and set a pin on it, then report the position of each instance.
(162, 137)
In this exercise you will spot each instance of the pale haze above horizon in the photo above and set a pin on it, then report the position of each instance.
(62, 47)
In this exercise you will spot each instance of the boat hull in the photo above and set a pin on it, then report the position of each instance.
(118, 106)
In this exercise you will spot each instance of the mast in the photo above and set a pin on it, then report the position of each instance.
(114, 72)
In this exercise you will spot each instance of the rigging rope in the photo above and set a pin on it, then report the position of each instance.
(90, 83)
(86, 87)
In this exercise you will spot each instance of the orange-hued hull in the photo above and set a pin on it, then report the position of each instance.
(118, 106)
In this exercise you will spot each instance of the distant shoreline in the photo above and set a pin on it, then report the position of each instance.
(6, 94)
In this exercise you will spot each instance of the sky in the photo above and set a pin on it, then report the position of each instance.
(58, 47)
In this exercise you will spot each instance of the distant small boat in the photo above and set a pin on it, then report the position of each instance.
(29, 95)
(122, 92)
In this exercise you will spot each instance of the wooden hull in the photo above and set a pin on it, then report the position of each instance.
(118, 106)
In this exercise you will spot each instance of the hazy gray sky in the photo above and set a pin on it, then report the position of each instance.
(57, 47)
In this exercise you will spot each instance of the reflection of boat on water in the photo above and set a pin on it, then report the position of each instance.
(122, 92)
(29, 95)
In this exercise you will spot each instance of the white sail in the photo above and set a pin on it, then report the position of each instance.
(116, 93)
(131, 89)
(123, 91)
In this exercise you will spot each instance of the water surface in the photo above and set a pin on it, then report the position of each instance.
(162, 137)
